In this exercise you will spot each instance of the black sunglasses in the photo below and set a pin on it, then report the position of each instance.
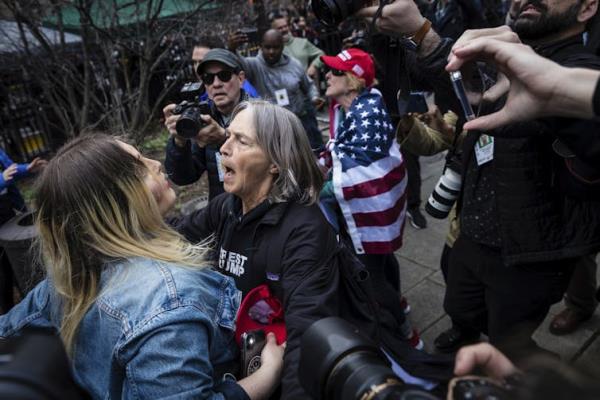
(337, 72)
(224, 76)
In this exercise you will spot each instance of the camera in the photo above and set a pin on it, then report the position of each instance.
(190, 109)
(337, 362)
(252, 344)
(447, 189)
(333, 12)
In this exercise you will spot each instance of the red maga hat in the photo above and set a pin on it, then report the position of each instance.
(355, 61)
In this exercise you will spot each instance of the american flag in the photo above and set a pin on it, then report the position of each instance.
(369, 178)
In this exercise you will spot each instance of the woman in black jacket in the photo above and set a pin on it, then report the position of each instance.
(268, 227)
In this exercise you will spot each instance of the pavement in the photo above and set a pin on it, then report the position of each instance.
(423, 285)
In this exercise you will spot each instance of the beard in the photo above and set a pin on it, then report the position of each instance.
(547, 23)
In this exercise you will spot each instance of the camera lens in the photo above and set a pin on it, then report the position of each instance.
(333, 12)
(444, 195)
(358, 374)
(189, 123)
(326, 11)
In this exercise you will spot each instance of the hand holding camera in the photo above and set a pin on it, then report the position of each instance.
(400, 17)
(193, 118)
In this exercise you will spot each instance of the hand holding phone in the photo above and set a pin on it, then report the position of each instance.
(252, 344)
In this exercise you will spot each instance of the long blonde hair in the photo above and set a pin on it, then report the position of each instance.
(93, 207)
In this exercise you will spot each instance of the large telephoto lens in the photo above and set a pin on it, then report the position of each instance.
(444, 195)
(342, 363)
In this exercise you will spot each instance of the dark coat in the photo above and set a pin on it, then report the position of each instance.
(540, 218)
(293, 239)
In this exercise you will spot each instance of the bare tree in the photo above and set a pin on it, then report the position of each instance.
(104, 79)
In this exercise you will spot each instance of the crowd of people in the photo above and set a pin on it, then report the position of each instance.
(155, 307)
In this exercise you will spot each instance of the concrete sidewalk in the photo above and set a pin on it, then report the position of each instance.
(423, 285)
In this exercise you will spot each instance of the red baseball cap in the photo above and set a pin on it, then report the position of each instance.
(356, 61)
(245, 322)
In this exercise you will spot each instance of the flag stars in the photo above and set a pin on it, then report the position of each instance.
(365, 123)
(377, 123)
(360, 106)
(364, 114)
(376, 110)
(371, 101)
(365, 136)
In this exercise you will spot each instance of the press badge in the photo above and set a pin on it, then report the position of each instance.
(484, 149)
(219, 166)
(282, 98)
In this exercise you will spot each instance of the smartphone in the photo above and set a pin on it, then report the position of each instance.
(461, 93)
(251, 33)
(252, 344)
(417, 103)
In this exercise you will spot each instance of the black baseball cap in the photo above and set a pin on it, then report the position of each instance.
(222, 56)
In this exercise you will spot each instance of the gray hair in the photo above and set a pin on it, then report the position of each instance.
(280, 134)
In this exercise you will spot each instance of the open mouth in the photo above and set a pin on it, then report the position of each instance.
(229, 172)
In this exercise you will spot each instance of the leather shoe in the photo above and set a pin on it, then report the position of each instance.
(567, 321)
(453, 339)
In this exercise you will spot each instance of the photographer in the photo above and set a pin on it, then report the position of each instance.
(187, 159)
(526, 216)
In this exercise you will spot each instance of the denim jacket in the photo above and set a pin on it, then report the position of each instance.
(155, 331)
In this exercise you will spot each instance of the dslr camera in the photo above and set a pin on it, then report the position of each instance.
(190, 110)
(333, 12)
(337, 362)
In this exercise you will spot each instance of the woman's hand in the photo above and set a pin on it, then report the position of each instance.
(262, 383)
(9, 172)
(272, 355)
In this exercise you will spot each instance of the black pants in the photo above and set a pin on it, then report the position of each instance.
(581, 292)
(384, 271)
(413, 189)
(506, 303)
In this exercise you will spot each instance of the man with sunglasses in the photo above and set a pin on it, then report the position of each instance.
(186, 160)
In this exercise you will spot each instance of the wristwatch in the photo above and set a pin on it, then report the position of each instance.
(417, 37)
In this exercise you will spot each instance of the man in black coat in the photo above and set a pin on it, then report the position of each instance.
(526, 213)
(187, 159)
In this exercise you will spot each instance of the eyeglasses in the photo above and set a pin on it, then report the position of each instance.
(224, 76)
(337, 72)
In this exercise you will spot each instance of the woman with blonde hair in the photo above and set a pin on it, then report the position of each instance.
(138, 313)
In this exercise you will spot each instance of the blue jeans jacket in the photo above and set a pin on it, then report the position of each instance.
(156, 330)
